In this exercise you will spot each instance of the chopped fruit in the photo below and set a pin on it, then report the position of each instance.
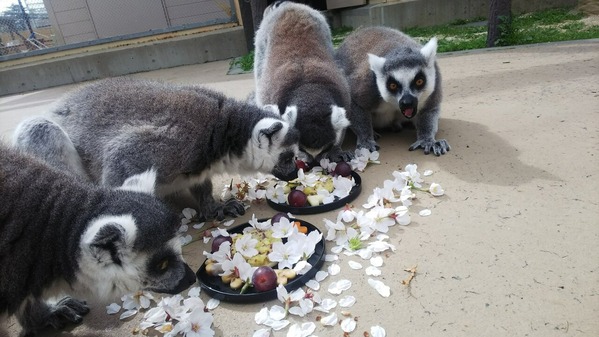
(315, 200)
(217, 241)
(264, 279)
(297, 198)
(300, 228)
(343, 169)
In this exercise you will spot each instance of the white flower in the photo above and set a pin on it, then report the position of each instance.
(382, 218)
(284, 228)
(302, 267)
(347, 214)
(305, 244)
(304, 330)
(412, 175)
(197, 324)
(237, 266)
(304, 179)
(326, 305)
(305, 307)
(286, 254)
(329, 320)
(436, 190)
(189, 213)
(246, 245)
(401, 215)
(137, 300)
(342, 186)
(340, 286)
(348, 324)
(277, 193)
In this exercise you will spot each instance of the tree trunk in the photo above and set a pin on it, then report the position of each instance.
(500, 21)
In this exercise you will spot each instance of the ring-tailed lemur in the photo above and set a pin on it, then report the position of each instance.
(393, 79)
(294, 69)
(60, 235)
(120, 127)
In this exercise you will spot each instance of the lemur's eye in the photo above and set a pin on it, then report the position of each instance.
(420, 82)
(163, 265)
(392, 86)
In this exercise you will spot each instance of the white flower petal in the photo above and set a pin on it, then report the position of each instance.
(303, 330)
(194, 292)
(340, 286)
(261, 316)
(331, 257)
(334, 269)
(113, 308)
(377, 261)
(302, 267)
(326, 305)
(228, 222)
(348, 324)
(278, 325)
(199, 225)
(313, 284)
(347, 301)
(262, 333)
(189, 213)
(373, 271)
(212, 303)
(425, 212)
(365, 253)
(337, 249)
(354, 265)
(321, 275)
(329, 320)
(380, 287)
(377, 331)
(427, 173)
(277, 312)
(128, 313)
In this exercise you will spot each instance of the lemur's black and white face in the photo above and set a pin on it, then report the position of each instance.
(134, 245)
(406, 78)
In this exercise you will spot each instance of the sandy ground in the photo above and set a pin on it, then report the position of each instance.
(510, 250)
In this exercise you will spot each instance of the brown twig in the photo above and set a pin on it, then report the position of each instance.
(412, 272)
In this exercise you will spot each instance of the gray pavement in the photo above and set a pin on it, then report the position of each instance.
(510, 250)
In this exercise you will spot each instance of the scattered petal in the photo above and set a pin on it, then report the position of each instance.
(199, 225)
(340, 286)
(436, 190)
(347, 301)
(348, 324)
(427, 173)
(334, 269)
(262, 333)
(303, 330)
(113, 308)
(326, 305)
(212, 303)
(277, 312)
(380, 287)
(331, 257)
(376, 261)
(373, 271)
(321, 275)
(337, 249)
(228, 222)
(313, 284)
(329, 320)
(189, 213)
(278, 325)
(194, 292)
(377, 331)
(354, 265)
(128, 313)
(261, 316)
(425, 212)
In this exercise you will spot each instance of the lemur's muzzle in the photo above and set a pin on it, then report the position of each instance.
(187, 281)
(408, 105)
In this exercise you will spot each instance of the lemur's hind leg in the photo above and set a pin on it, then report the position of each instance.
(37, 314)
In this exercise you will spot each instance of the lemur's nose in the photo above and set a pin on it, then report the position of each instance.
(407, 101)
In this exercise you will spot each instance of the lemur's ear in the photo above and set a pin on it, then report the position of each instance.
(271, 130)
(290, 115)
(143, 182)
(429, 50)
(107, 243)
(272, 108)
(376, 63)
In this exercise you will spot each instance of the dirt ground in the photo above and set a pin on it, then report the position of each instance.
(511, 249)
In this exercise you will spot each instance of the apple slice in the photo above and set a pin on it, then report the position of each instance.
(315, 199)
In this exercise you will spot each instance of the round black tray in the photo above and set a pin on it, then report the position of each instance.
(219, 290)
(338, 203)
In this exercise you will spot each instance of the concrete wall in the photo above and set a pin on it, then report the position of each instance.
(412, 13)
(205, 47)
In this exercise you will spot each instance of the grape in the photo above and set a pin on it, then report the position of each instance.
(217, 241)
(264, 279)
(297, 198)
(300, 164)
(277, 217)
(343, 169)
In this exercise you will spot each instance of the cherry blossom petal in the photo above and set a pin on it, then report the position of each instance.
(194, 292)
(212, 303)
(380, 246)
(313, 284)
(354, 265)
(377, 331)
(331, 257)
(329, 320)
(347, 301)
(326, 305)
(337, 249)
(128, 313)
(380, 287)
(376, 261)
(340, 286)
(277, 312)
(199, 225)
(334, 269)
(278, 325)
(113, 308)
(189, 213)
(261, 316)
(302, 267)
(348, 324)
(228, 222)
(373, 271)
(436, 190)
(425, 212)
(262, 333)
(365, 253)
(321, 275)
(428, 173)
(303, 330)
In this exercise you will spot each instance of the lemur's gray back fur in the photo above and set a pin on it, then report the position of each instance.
(59, 234)
(122, 127)
(294, 68)
(370, 56)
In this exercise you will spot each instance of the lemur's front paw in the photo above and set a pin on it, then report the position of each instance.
(438, 147)
(218, 211)
(340, 155)
(39, 315)
(370, 145)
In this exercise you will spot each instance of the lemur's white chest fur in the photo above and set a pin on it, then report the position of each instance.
(385, 114)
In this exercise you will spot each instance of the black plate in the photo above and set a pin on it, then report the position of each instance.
(338, 203)
(221, 291)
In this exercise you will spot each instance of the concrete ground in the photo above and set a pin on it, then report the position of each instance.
(511, 249)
